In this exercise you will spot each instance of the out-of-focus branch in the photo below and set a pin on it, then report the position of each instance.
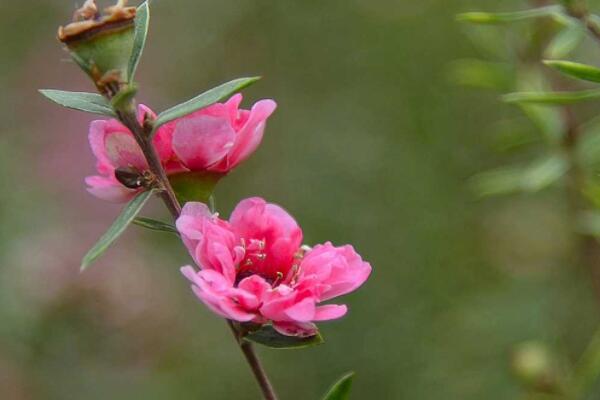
(578, 9)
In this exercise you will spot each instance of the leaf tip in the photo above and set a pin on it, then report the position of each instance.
(475, 17)
(510, 98)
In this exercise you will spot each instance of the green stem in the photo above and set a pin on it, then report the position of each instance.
(142, 136)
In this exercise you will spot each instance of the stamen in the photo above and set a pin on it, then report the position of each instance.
(278, 279)
(295, 270)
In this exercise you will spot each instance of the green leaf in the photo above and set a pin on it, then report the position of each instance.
(551, 98)
(543, 173)
(549, 120)
(194, 186)
(155, 225)
(203, 100)
(268, 336)
(341, 389)
(481, 74)
(82, 101)
(116, 229)
(142, 17)
(565, 42)
(531, 178)
(576, 70)
(509, 135)
(507, 17)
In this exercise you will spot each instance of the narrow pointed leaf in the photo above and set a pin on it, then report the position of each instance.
(341, 389)
(576, 70)
(552, 98)
(549, 120)
(82, 101)
(507, 17)
(481, 74)
(116, 229)
(142, 17)
(530, 178)
(203, 100)
(268, 336)
(565, 42)
(155, 225)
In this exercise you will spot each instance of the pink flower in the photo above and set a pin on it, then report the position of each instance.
(219, 137)
(115, 147)
(253, 267)
(214, 139)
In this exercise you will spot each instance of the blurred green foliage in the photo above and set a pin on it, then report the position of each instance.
(372, 144)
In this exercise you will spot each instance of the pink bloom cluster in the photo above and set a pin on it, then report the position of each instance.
(253, 267)
(214, 139)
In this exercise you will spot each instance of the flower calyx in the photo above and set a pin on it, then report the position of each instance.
(101, 44)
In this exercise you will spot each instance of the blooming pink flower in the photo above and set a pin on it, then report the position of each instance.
(219, 137)
(214, 139)
(115, 147)
(253, 268)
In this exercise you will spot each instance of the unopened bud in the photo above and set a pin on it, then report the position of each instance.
(101, 44)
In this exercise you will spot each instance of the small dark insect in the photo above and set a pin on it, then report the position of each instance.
(132, 178)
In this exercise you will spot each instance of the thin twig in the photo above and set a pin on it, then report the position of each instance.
(579, 10)
(255, 364)
(142, 137)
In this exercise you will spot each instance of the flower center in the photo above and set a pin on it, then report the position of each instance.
(256, 262)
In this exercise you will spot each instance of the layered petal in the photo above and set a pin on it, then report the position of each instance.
(333, 271)
(249, 135)
(114, 147)
(299, 329)
(252, 268)
(109, 189)
(276, 230)
(217, 138)
(220, 296)
(209, 240)
(201, 140)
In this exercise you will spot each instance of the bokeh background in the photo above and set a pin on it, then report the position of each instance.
(372, 144)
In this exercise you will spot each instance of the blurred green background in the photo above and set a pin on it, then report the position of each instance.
(371, 145)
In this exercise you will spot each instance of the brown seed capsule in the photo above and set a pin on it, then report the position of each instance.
(101, 44)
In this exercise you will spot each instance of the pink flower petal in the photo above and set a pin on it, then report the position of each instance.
(330, 311)
(202, 140)
(109, 189)
(339, 269)
(249, 136)
(303, 311)
(123, 151)
(298, 329)
(254, 218)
